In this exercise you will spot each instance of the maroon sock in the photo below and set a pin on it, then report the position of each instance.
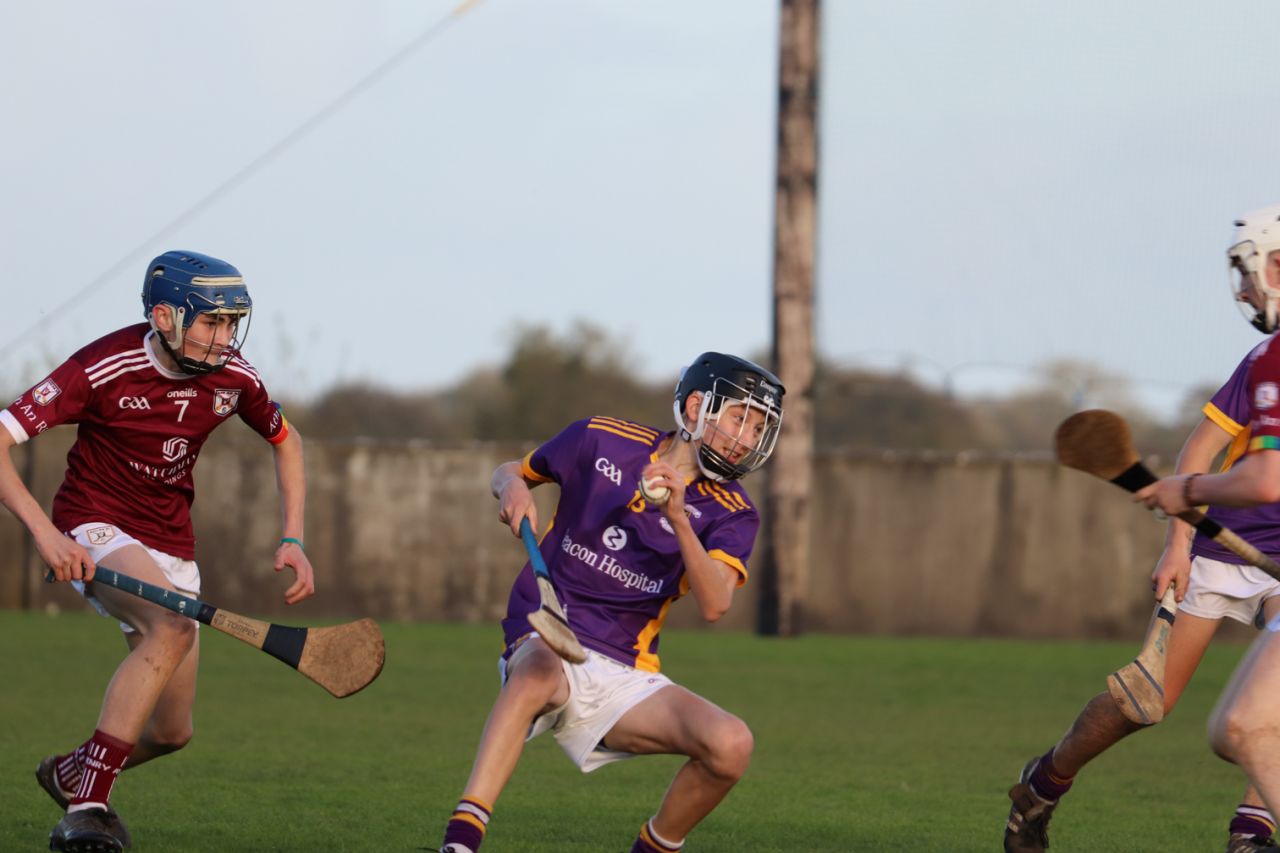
(69, 768)
(1047, 781)
(104, 757)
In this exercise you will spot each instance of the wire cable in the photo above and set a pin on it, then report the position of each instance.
(254, 166)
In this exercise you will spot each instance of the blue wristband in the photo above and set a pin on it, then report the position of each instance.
(297, 542)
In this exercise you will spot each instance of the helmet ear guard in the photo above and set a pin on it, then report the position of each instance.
(190, 284)
(725, 381)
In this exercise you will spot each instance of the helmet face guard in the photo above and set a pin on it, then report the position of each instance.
(739, 415)
(191, 284)
(1256, 240)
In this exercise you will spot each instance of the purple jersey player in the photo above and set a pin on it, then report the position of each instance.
(145, 398)
(619, 562)
(1245, 724)
(1209, 583)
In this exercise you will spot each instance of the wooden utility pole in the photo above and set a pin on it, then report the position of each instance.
(786, 569)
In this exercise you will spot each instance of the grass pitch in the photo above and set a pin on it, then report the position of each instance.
(862, 744)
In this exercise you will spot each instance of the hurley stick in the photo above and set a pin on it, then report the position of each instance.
(549, 619)
(342, 659)
(1138, 688)
(1098, 442)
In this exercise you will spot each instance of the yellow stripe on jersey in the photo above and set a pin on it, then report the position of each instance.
(526, 470)
(647, 660)
(707, 488)
(1239, 447)
(733, 497)
(732, 562)
(624, 429)
(632, 425)
(1220, 418)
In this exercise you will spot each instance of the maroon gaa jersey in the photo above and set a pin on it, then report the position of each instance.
(141, 427)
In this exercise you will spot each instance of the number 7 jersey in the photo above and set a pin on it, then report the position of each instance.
(141, 427)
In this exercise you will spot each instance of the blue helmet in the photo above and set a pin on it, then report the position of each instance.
(191, 284)
(725, 381)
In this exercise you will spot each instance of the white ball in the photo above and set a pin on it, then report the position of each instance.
(654, 494)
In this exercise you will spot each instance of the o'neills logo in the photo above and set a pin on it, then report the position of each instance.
(606, 564)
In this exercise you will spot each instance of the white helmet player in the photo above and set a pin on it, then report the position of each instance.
(1256, 237)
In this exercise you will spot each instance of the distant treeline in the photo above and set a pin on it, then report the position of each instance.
(548, 380)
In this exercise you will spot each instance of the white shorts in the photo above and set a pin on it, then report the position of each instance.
(101, 539)
(601, 690)
(1220, 589)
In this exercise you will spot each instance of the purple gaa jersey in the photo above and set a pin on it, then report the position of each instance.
(1246, 407)
(613, 556)
(141, 427)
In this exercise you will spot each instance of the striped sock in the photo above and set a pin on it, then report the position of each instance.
(1252, 820)
(69, 768)
(467, 826)
(104, 756)
(650, 841)
(1047, 782)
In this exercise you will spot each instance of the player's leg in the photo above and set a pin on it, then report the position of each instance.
(1099, 726)
(718, 744)
(131, 697)
(1244, 727)
(535, 684)
(1253, 826)
(170, 726)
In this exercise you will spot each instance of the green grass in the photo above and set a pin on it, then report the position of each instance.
(862, 744)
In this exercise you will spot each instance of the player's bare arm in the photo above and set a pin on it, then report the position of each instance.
(62, 554)
(711, 581)
(515, 498)
(291, 479)
(1202, 446)
(1255, 480)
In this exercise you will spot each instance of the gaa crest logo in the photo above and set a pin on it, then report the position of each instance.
(1265, 395)
(225, 401)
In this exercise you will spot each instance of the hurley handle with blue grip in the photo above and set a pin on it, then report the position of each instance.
(549, 619)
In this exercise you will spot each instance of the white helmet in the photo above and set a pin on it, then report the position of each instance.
(1257, 236)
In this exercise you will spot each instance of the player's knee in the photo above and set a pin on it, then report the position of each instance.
(1231, 733)
(729, 749)
(536, 680)
(175, 633)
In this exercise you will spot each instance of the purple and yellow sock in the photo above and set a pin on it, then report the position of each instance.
(651, 842)
(1047, 782)
(1252, 820)
(468, 824)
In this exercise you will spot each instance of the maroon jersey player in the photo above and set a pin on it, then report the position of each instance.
(620, 562)
(145, 398)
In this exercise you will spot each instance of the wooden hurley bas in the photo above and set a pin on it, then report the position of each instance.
(343, 659)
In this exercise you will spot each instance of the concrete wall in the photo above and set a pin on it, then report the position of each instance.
(902, 544)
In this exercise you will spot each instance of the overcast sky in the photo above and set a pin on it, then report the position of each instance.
(1003, 182)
